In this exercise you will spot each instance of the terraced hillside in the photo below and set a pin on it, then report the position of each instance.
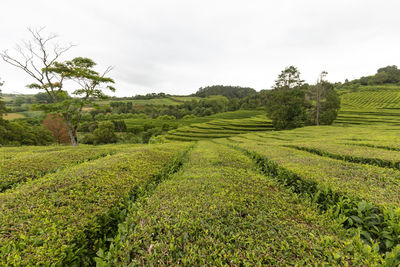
(351, 172)
(246, 196)
(62, 216)
(220, 128)
(370, 105)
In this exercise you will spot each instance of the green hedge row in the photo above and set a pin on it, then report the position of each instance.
(376, 146)
(65, 217)
(32, 165)
(218, 211)
(376, 223)
(349, 158)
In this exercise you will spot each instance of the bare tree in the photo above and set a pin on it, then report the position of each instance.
(39, 59)
(35, 57)
(2, 104)
(317, 93)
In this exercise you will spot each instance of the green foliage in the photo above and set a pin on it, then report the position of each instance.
(287, 108)
(30, 165)
(328, 116)
(2, 104)
(227, 91)
(189, 117)
(23, 133)
(166, 117)
(289, 78)
(120, 125)
(389, 163)
(65, 217)
(218, 128)
(81, 70)
(385, 75)
(104, 133)
(325, 102)
(209, 215)
(360, 195)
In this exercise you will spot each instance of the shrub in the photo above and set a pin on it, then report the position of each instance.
(105, 133)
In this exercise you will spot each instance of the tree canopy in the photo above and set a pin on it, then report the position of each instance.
(385, 75)
(293, 104)
(39, 58)
(289, 78)
(227, 91)
(2, 104)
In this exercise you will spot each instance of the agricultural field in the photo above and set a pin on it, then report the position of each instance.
(219, 128)
(351, 172)
(323, 195)
(370, 105)
(235, 193)
(171, 100)
(63, 217)
(225, 116)
(12, 116)
(218, 210)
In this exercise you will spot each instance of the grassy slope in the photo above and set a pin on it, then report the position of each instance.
(221, 125)
(172, 100)
(220, 211)
(370, 105)
(12, 116)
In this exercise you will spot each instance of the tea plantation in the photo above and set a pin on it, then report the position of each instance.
(224, 190)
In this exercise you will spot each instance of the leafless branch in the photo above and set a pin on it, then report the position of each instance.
(36, 56)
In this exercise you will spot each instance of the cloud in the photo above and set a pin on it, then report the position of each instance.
(177, 46)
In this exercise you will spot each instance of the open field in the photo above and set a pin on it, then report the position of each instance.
(62, 217)
(336, 168)
(221, 125)
(238, 194)
(239, 114)
(371, 105)
(220, 211)
(314, 195)
(172, 100)
(12, 116)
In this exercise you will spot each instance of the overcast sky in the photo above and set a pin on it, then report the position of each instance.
(177, 46)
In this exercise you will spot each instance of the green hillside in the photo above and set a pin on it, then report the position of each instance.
(219, 128)
(370, 105)
(236, 194)
(170, 100)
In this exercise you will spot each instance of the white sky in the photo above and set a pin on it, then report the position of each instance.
(177, 46)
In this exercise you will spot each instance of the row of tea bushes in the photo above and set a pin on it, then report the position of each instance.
(219, 211)
(363, 155)
(338, 187)
(62, 218)
(24, 166)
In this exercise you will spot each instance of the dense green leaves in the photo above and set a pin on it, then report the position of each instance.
(218, 211)
(30, 165)
(62, 218)
(287, 108)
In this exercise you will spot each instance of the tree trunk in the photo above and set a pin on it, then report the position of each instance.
(72, 134)
(318, 104)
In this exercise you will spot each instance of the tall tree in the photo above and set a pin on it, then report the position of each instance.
(325, 101)
(90, 86)
(286, 103)
(56, 125)
(288, 79)
(317, 93)
(2, 104)
(39, 58)
(287, 109)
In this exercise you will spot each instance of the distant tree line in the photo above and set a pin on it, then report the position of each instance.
(227, 91)
(385, 75)
(293, 103)
(21, 132)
